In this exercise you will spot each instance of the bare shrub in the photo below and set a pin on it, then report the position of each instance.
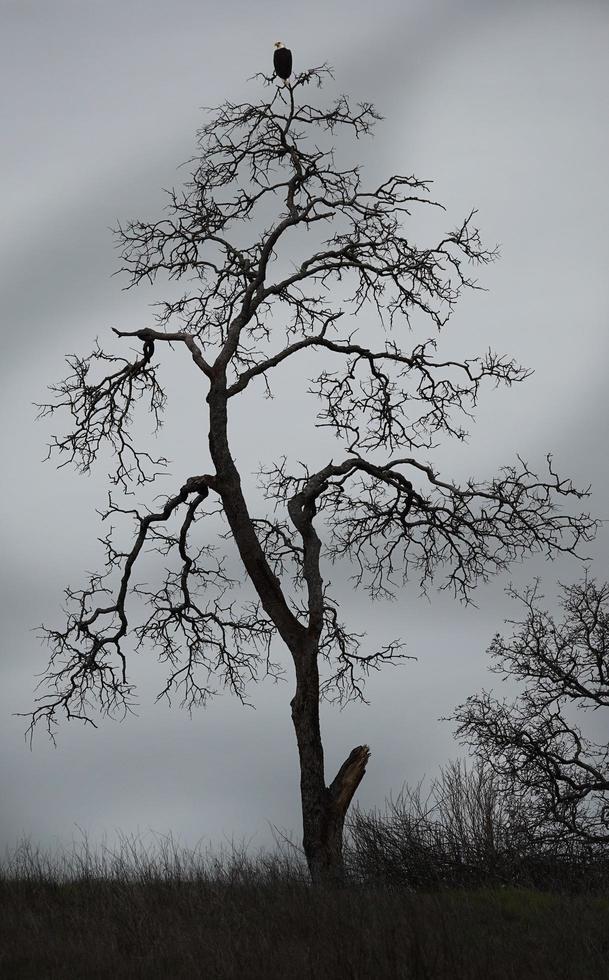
(469, 829)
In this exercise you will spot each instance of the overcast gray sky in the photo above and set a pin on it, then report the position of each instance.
(505, 106)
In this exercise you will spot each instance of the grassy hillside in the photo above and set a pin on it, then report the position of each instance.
(174, 915)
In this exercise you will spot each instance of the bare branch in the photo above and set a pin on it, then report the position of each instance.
(387, 522)
(103, 412)
(88, 663)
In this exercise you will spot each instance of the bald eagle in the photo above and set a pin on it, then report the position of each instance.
(282, 61)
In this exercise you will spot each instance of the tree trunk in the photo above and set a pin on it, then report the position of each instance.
(323, 807)
(325, 857)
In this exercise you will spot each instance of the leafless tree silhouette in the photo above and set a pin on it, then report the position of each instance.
(381, 505)
(535, 743)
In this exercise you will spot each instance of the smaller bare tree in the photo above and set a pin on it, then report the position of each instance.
(535, 743)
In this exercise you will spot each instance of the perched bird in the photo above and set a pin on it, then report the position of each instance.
(282, 61)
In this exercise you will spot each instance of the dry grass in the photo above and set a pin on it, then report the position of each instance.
(170, 913)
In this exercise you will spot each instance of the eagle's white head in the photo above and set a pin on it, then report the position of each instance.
(279, 44)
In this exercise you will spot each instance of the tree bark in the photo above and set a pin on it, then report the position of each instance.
(323, 807)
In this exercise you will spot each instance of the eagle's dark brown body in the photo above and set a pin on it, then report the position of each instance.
(282, 62)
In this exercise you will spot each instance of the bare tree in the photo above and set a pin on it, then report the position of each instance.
(535, 743)
(246, 311)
